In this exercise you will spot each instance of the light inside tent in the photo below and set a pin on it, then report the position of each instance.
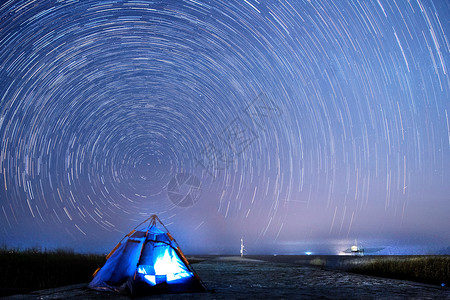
(167, 268)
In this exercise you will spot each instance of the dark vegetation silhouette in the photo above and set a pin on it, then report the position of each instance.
(32, 269)
(433, 269)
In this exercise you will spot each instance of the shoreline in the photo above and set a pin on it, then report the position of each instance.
(428, 269)
(290, 277)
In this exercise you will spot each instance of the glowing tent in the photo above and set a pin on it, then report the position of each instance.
(148, 260)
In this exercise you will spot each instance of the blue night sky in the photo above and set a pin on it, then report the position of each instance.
(298, 125)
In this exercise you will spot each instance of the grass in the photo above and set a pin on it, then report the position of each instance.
(425, 269)
(32, 269)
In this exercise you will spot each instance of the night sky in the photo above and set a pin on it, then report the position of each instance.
(297, 125)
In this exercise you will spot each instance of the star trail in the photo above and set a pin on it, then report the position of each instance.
(298, 125)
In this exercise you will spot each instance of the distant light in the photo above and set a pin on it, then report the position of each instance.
(308, 253)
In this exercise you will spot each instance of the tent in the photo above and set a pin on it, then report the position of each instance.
(148, 260)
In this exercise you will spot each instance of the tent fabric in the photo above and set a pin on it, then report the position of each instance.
(148, 261)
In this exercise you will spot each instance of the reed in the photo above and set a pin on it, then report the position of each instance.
(426, 269)
(34, 269)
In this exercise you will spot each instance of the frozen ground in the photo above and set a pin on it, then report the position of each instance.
(232, 278)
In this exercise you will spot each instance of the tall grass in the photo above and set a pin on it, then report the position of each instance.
(33, 269)
(426, 269)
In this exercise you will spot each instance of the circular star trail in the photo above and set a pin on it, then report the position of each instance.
(295, 120)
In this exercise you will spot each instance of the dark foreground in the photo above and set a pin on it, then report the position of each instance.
(23, 271)
(252, 279)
